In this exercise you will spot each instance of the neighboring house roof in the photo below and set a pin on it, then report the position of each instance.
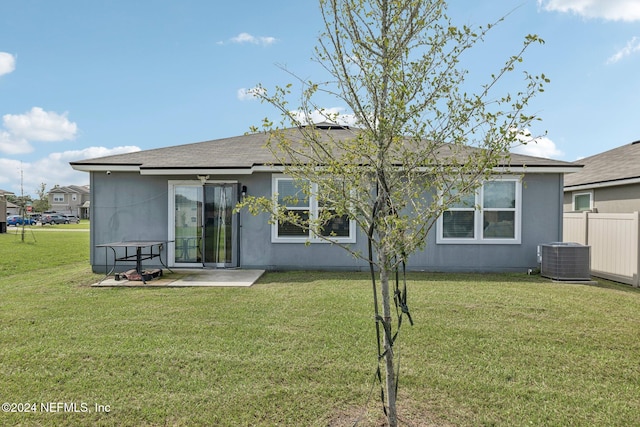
(70, 189)
(248, 153)
(614, 167)
(5, 193)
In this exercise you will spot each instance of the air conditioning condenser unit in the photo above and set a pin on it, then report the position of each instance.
(565, 261)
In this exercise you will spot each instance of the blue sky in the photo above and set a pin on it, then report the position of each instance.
(82, 79)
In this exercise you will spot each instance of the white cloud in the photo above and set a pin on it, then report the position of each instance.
(9, 144)
(7, 63)
(248, 38)
(94, 152)
(331, 115)
(536, 146)
(53, 169)
(611, 10)
(633, 46)
(245, 94)
(40, 125)
(10, 173)
(35, 125)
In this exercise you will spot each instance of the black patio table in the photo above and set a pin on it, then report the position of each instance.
(141, 254)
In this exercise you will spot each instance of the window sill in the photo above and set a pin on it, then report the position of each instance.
(441, 241)
(306, 240)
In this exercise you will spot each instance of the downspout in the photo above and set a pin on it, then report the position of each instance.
(561, 208)
(92, 225)
(239, 194)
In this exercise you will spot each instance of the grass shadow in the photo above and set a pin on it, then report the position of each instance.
(310, 276)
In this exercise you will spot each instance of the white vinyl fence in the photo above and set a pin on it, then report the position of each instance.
(614, 240)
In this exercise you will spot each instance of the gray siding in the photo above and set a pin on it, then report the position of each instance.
(541, 223)
(615, 199)
(128, 206)
(568, 201)
(620, 199)
(258, 251)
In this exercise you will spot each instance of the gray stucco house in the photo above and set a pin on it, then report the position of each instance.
(608, 183)
(185, 195)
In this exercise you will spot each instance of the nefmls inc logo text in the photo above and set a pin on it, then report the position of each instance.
(64, 407)
(78, 407)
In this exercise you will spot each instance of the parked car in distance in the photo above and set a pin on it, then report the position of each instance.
(72, 218)
(53, 219)
(18, 220)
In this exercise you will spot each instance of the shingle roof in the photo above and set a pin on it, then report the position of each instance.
(236, 152)
(619, 164)
(245, 152)
(70, 189)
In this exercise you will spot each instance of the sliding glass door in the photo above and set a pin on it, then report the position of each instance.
(205, 227)
(219, 226)
(188, 224)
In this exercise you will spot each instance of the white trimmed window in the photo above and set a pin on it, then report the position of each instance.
(58, 198)
(582, 201)
(490, 215)
(295, 201)
(290, 194)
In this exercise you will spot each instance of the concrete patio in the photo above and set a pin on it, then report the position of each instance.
(191, 278)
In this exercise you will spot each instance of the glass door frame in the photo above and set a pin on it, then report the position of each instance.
(235, 241)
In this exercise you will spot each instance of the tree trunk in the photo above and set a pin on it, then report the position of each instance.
(390, 383)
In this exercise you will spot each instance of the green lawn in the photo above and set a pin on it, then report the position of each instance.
(83, 225)
(298, 348)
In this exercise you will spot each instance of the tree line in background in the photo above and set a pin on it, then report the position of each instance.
(41, 204)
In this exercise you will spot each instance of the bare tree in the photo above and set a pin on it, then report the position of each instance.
(420, 144)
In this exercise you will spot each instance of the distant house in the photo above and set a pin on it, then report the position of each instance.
(602, 210)
(4, 210)
(71, 200)
(185, 195)
(12, 209)
(609, 182)
(6, 207)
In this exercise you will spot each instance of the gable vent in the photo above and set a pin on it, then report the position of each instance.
(327, 126)
(565, 261)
